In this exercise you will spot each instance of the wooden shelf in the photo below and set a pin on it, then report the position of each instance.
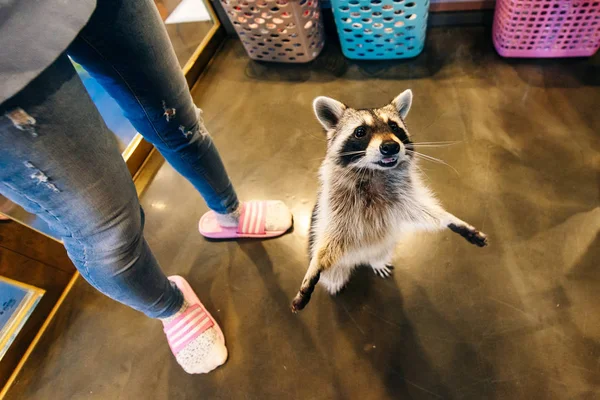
(30, 257)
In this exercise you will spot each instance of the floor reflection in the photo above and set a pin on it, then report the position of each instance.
(187, 23)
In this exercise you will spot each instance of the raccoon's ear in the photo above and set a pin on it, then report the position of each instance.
(328, 111)
(403, 102)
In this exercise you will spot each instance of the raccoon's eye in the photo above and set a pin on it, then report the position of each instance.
(360, 131)
(394, 126)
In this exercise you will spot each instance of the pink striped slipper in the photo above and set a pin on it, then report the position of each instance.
(258, 219)
(195, 338)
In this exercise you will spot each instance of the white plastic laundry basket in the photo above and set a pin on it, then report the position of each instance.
(288, 31)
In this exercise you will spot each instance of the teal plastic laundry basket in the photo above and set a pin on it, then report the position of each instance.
(381, 29)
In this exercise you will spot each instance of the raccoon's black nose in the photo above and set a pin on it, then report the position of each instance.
(389, 148)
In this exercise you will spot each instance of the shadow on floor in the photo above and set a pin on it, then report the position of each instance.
(470, 47)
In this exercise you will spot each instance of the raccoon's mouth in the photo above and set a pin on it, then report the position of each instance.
(388, 162)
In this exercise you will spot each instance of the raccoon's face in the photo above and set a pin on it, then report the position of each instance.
(374, 138)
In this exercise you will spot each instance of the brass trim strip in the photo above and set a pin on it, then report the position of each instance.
(204, 53)
(128, 152)
(20, 221)
(207, 48)
(136, 153)
(147, 171)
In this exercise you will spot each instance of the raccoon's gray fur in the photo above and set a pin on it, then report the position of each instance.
(370, 193)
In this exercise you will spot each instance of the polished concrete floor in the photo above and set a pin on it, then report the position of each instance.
(519, 319)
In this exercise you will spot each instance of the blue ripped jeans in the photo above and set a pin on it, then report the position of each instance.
(59, 160)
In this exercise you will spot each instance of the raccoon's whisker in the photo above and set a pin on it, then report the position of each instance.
(439, 142)
(350, 153)
(422, 171)
(357, 172)
(347, 172)
(434, 121)
(353, 152)
(316, 137)
(427, 157)
(363, 174)
(430, 157)
(433, 159)
(435, 146)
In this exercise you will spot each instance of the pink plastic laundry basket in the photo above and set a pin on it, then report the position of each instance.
(547, 28)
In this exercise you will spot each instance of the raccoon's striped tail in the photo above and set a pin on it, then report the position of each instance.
(308, 286)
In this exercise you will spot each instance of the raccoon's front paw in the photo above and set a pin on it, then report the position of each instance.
(471, 234)
(384, 271)
(479, 238)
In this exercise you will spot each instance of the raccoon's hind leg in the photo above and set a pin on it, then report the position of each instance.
(382, 265)
(324, 258)
(335, 278)
(308, 286)
(382, 269)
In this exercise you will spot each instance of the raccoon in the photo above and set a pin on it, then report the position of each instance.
(370, 193)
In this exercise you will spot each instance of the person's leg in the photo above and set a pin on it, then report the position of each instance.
(59, 160)
(125, 47)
